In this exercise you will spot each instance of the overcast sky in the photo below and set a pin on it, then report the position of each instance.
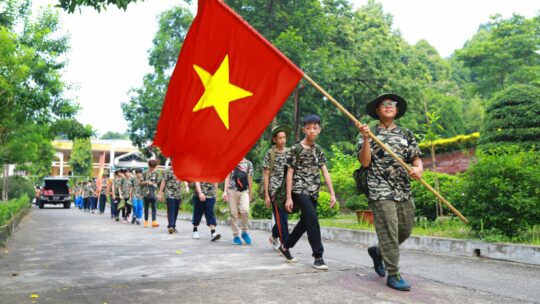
(109, 50)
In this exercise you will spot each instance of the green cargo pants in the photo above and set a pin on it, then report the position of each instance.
(393, 224)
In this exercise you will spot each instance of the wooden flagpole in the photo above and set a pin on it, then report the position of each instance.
(382, 145)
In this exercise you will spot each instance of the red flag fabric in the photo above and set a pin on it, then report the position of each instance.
(228, 84)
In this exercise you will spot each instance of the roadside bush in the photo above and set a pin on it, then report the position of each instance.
(341, 172)
(425, 201)
(18, 186)
(323, 207)
(259, 210)
(456, 143)
(512, 118)
(12, 207)
(502, 191)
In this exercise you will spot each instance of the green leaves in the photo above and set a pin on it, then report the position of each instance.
(98, 5)
(513, 117)
(503, 52)
(501, 191)
(81, 158)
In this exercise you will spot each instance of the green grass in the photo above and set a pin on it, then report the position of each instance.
(12, 207)
(442, 227)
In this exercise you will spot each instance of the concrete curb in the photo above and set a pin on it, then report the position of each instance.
(527, 254)
(11, 226)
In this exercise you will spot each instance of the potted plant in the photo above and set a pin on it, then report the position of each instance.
(359, 205)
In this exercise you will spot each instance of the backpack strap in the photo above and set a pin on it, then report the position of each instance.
(272, 158)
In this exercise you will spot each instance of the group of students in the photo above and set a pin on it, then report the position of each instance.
(299, 167)
(389, 188)
(131, 192)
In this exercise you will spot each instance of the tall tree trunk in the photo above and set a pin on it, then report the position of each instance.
(296, 126)
(5, 183)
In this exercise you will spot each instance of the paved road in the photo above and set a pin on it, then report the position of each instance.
(67, 256)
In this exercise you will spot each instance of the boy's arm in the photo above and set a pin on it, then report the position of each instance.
(250, 183)
(329, 185)
(417, 168)
(225, 188)
(200, 194)
(161, 187)
(266, 178)
(289, 203)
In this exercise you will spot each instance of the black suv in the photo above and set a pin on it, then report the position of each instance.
(55, 191)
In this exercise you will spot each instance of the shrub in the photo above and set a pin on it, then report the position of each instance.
(358, 202)
(341, 172)
(456, 143)
(12, 207)
(259, 210)
(502, 191)
(323, 207)
(513, 117)
(18, 186)
(425, 201)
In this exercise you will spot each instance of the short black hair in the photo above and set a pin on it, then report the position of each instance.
(312, 118)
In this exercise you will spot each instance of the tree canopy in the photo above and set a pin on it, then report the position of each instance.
(33, 109)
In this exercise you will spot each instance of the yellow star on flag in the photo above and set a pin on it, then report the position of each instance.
(218, 91)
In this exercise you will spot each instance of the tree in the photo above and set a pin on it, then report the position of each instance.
(513, 117)
(31, 88)
(503, 52)
(115, 135)
(144, 107)
(72, 5)
(81, 157)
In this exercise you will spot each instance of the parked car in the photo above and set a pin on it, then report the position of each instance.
(55, 191)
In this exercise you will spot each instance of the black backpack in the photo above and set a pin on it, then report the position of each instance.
(240, 179)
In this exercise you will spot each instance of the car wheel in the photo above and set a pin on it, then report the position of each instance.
(67, 205)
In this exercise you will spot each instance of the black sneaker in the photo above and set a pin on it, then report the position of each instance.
(117, 219)
(133, 219)
(378, 264)
(286, 254)
(319, 264)
(137, 222)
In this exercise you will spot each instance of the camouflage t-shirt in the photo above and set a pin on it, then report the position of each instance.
(136, 185)
(208, 189)
(117, 183)
(103, 186)
(245, 166)
(306, 177)
(125, 186)
(87, 189)
(278, 171)
(173, 187)
(93, 190)
(387, 179)
(150, 190)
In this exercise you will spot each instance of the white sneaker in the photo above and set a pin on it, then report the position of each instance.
(274, 242)
(196, 235)
(215, 236)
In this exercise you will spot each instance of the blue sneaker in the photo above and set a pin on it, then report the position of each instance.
(237, 240)
(246, 238)
(397, 282)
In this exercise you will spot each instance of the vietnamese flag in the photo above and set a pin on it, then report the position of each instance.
(228, 84)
